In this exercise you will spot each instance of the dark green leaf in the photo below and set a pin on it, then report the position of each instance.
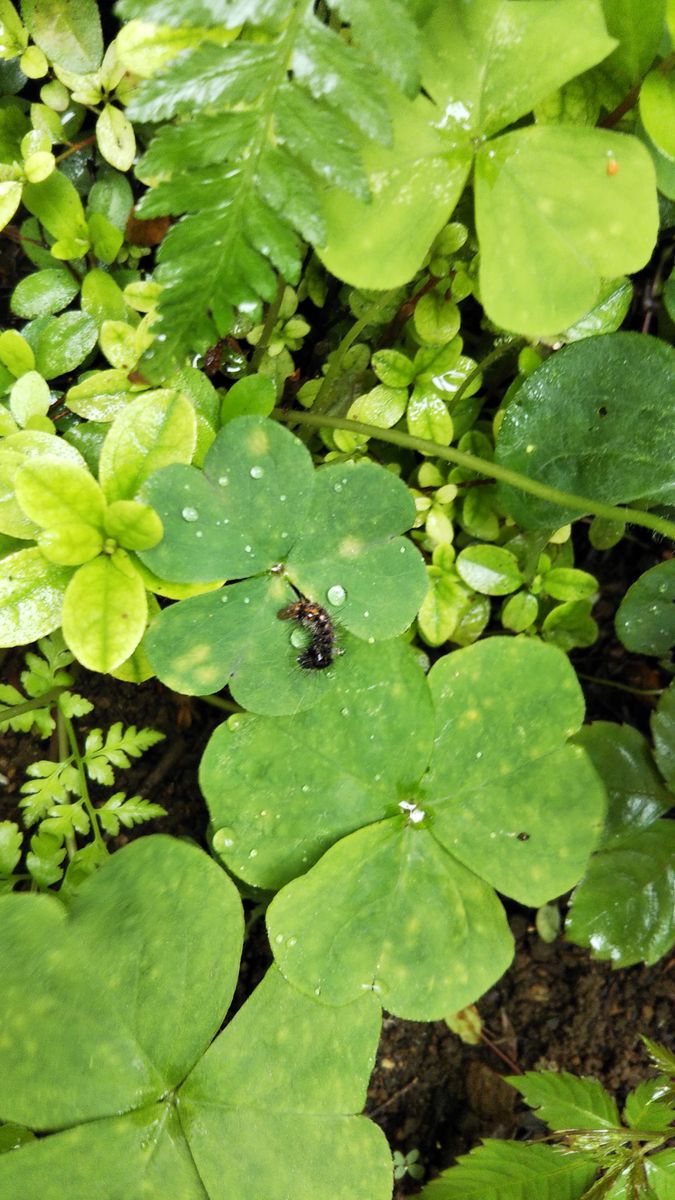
(595, 419)
(623, 907)
(622, 758)
(663, 732)
(645, 620)
(64, 343)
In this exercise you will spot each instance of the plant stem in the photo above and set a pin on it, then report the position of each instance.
(43, 701)
(472, 462)
(88, 141)
(62, 738)
(622, 687)
(323, 398)
(217, 702)
(267, 330)
(497, 352)
(84, 790)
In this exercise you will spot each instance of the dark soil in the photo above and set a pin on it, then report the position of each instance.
(555, 1008)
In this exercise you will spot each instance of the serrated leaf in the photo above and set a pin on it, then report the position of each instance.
(586, 422)
(148, 433)
(500, 1170)
(104, 612)
(567, 1101)
(623, 907)
(645, 619)
(650, 1106)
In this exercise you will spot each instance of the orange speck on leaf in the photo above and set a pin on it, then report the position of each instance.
(612, 166)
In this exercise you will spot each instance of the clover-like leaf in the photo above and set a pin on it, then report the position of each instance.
(622, 908)
(259, 511)
(559, 241)
(133, 1103)
(408, 831)
(527, 213)
(596, 419)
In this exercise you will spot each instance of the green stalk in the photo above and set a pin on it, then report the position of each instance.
(267, 329)
(84, 789)
(43, 701)
(322, 402)
(471, 462)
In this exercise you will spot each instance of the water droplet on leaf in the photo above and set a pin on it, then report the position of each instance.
(190, 514)
(336, 594)
(256, 472)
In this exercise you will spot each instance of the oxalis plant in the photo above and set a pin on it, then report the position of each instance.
(358, 394)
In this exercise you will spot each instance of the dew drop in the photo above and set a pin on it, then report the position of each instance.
(247, 599)
(224, 599)
(247, 549)
(317, 991)
(336, 594)
(292, 941)
(199, 533)
(279, 939)
(253, 853)
(223, 839)
(189, 514)
(337, 487)
(297, 639)
(284, 534)
(402, 550)
(344, 712)
(223, 480)
(282, 498)
(366, 614)
(256, 472)
(371, 641)
(305, 787)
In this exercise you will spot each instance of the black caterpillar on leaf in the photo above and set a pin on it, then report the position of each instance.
(322, 648)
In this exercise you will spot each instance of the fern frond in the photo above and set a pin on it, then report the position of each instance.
(264, 125)
(118, 810)
(119, 747)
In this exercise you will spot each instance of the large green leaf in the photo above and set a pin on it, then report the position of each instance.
(31, 596)
(142, 1104)
(487, 57)
(486, 65)
(645, 619)
(639, 27)
(260, 510)
(596, 419)
(263, 1095)
(414, 836)
(514, 1171)
(553, 222)
(622, 909)
(268, 782)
